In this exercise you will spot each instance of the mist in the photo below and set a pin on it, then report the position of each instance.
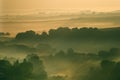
(41, 21)
(87, 53)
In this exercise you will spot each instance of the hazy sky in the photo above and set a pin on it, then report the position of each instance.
(33, 5)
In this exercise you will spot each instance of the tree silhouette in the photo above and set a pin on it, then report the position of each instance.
(17, 71)
(39, 72)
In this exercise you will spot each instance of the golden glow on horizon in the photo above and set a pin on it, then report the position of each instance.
(26, 6)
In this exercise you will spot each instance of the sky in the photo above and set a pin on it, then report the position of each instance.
(31, 6)
(22, 6)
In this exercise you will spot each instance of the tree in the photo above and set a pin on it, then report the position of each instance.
(39, 72)
(17, 71)
(5, 68)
